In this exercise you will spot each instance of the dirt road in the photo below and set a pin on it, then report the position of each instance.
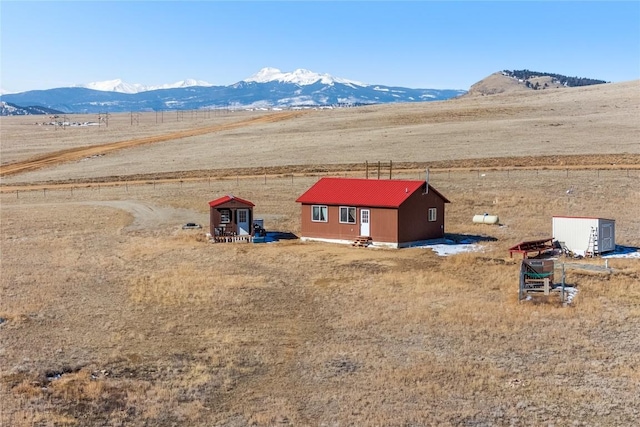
(88, 151)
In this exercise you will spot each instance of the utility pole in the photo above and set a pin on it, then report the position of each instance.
(103, 117)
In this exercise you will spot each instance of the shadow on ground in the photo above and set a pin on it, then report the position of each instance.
(457, 238)
(275, 236)
(623, 252)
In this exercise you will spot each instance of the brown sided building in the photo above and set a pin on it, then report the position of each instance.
(231, 216)
(394, 213)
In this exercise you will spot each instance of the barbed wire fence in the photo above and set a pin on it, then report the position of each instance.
(230, 183)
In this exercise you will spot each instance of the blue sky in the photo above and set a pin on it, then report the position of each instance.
(417, 44)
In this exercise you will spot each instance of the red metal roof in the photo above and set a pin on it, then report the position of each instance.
(225, 199)
(388, 193)
(582, 217)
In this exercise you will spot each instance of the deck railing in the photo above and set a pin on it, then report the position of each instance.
(233, 238)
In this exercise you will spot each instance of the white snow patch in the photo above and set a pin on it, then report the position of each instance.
(447, 247)
(297, 100)
(569, 294)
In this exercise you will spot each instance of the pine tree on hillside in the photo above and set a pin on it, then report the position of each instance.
(525, 75)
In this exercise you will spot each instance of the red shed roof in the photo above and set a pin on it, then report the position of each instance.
(388, 193)
(225, 199)
(582, 217)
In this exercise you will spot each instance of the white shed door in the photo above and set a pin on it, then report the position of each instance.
(364, 222)
(243, 221)
(607, 237)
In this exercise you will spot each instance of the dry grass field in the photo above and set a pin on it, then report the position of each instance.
(112, 315)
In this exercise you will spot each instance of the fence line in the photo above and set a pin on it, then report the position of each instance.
(436, 176)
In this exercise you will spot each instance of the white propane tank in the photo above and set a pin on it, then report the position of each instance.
(486, 219)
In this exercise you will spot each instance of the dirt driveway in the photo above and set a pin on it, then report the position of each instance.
(147, 216)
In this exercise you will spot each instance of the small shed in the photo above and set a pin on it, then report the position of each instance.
(585, 236)
(383, 212)
(231, 216)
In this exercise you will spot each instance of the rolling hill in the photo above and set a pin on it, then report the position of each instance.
(525, 80)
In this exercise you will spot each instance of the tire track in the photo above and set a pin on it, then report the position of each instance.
(77, 153)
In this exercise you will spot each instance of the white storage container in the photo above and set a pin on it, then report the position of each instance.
(585, 235)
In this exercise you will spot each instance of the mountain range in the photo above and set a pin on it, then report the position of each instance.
(118, 85)
(270, 88)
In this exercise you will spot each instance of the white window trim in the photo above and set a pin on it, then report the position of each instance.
(368, 211)
(326, 213)
(433, 214)
(222, 215)
(355, 215)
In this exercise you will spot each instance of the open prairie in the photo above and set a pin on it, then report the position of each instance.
(112, 314)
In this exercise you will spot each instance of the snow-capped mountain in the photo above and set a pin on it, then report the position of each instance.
(300, 77)
(118, 85)
(269, 88)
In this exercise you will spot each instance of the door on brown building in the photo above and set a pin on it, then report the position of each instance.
(243, 221)
(364, 222)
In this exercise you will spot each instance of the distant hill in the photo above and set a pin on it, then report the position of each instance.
(526, 80)
(9, 109)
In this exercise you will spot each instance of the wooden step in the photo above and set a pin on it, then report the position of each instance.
(362, 241)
